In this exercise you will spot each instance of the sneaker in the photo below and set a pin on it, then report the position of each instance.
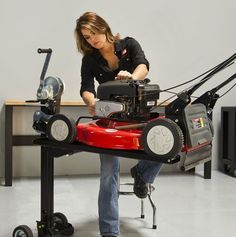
(140, 187)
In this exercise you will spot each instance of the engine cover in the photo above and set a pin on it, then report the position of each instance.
(127, 99)
(111, 89)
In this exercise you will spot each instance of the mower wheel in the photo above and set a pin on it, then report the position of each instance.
(61, 128)
(162, 138)
(22, 231)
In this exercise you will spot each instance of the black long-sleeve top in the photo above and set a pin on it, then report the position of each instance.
(94, 66)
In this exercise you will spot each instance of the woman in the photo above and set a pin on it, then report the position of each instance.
(107, 57)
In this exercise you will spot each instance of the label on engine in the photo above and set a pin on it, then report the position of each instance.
(150, 103)
(198, 123)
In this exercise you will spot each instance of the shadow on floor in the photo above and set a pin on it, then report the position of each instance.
(129, 227)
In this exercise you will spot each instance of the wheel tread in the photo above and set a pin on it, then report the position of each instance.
(26, 229)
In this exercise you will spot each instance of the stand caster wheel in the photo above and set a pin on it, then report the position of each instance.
(61, 224)
(154, 227)
(60, 221)
(232, 172)
(22, 231)
(229, 170)
(68, 231)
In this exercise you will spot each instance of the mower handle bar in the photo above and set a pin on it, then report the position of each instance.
(214, 90)
(221, 66)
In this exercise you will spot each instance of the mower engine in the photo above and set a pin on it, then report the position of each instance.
(127, 99)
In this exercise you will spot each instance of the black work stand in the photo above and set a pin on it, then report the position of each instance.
(51, 150)
(207, 169)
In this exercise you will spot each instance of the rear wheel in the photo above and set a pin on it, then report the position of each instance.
(162, 138)
(61, 128)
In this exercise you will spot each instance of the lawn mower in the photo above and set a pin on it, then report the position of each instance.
(128, 117)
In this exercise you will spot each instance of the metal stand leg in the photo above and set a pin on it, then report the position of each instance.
(142, 209)
(47, 193)
(207, 170)
(151, 189)
(8, 145)
(154, 226)
(51, 224)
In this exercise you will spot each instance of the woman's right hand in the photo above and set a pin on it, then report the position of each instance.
(91, 109)
(123, 75)
(89, 100)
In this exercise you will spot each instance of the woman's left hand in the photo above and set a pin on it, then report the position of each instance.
(124, 75)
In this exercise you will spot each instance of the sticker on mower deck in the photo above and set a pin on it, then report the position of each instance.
(198, 123)
(111, 130)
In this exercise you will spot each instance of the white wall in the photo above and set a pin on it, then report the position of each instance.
(181, 39)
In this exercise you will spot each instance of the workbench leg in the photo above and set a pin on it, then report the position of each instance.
(207, 170)
(47, 193)
(8, 145)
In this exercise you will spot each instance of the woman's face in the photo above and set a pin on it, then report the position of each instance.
(96, 40)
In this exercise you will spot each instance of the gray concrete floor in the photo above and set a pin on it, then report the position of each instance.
(187, 205)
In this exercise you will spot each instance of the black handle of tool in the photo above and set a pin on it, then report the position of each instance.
(44, 50)
(46, 62)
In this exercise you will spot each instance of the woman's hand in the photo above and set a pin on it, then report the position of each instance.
(89, 100)
(91, 109)
(124, 75)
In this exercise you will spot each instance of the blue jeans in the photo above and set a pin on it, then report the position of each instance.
(108, 208)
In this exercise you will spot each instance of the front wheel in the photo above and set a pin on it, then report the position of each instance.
(162, 138)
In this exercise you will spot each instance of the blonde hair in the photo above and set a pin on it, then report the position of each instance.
(93, 22)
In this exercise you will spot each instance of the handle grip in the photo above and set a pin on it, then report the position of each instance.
(44, 50)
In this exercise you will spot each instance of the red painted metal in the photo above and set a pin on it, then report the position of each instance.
(104, 133)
